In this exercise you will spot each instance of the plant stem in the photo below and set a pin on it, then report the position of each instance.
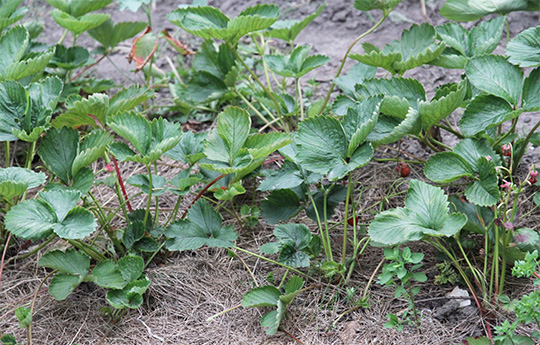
(272, 261)
(202, 192)
(223, 312)
(64, 35)
(385, 14)
(29, 328)
(6, 153)
(107, 224)
(266, 90)
(300, 99)
(523, 147)
(122, 187)
(327, 251)
(30, 155)
(257, 112)
(450, 130)
(346, 219)
(88, 250)
(150, 189)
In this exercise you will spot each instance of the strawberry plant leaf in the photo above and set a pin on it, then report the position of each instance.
(485, 191)
(323, 148)
(298, 64)
(418, 47)
(360, 121)
(13, 45)
(465, 10)
(78, 110)
(496, 76)
(288, 176)
(58, 150)
(71, 262)
(130, 296)
(356, 75)
(477, 216)
(446, 167)
(438, 108)
(390, 129)
(484, 112)
(69, 58)
(289, 29)
(280, 205)
(264, 296)
(78, 8)
(14, 181)
(143, 182)
(409, 89)
(472, 149)
(484, 38)
(293, 285)
(210, 23)
(190, 148)
(425, 214)
(53, 210)
(31, 219)
(373, 56)
(455, 36)
(32, 63)
(62, 285)
(270, 322)
(10, 14)
(261, 145)
(80, 24)
(143, 48)
(524, 49)
(531, 91)
(335, 196)
(203, 227)
(132, 5)
(294, 239)
(109, 34)
(107, 275)
(368, 5)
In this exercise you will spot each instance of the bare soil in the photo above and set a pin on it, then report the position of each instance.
(190, 287)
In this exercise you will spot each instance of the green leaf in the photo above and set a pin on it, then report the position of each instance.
(280, 205)
(466, 10)
(425, 214)
(13, 45)
(368, 5)
(58, 150)
(133, 233)
(496, 76)
(484, 112)
(410, 89)
(524, 49)
(446, 167)
(62, 285)
(134, 128)
(8, 339)
(531, 91)
(71, 262)
(80, 24)
(298, 64)
(109, 35)
(32, 220)
(91, 149)
(356, 75)
(131, 267)
(77, 113)
(189, 149)
(15, 181)
(377, 58)
(24, 315)
(417, 47)
(472, 149)
(32, 63)
(477, 216)
(484, 38)
(437, 109)
(202, 227)
(210, 23)
(455, 36)
(285, 178)
(360, 121)
(10, 14)
(289, 29)
(335, 196)
(130, 296)
(322, 148)
(128, 99)
(78, 8)
(107, 275)
(261, 145)
(389, 129)
(78, 224)
(484, 192)
(264, 296)
(132, 5)
(69, 58)
(270, 322)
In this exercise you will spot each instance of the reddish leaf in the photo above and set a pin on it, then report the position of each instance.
(142, 49)
(179, 46)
